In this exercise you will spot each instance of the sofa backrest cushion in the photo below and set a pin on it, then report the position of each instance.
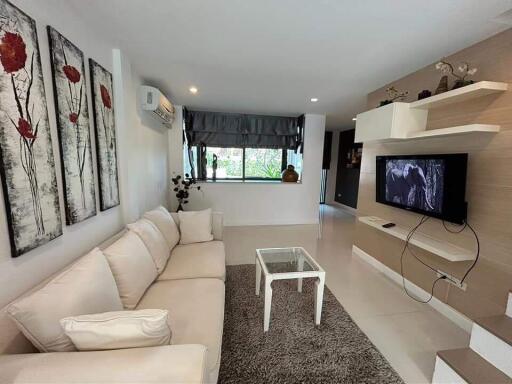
(154, 241)
(133, 267)
(195, 226)
(165, 224)
(87, 286)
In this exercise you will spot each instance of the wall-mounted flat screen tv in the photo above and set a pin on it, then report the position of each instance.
(432, 185)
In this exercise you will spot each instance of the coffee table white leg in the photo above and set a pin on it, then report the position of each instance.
(268, 303)
(258, 276)
(319, 297)
(300, 268)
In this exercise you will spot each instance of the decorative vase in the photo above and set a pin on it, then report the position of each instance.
(462, 83)
(289, 175)
(443, 85)
(180, 207)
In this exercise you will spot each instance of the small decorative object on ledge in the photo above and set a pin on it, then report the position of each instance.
(424, 94)
(354, 156)
(182, 187)
(289, 175)
(393, 95)
(214, 167)
(463, 71)
(443, 85)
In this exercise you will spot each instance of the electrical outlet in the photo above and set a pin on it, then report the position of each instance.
(452, 280)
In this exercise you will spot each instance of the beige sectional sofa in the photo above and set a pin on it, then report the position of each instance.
(191, 288)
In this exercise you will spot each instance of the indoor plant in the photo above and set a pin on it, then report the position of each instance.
(182, 187)
(463, 71)
(393, 95)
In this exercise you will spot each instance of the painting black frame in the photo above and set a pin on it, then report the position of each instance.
(70, 218)
(103, 203)
(53, 195)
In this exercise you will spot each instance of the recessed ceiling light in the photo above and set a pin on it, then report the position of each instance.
(193, 90)
(354, 118)
(314, 99)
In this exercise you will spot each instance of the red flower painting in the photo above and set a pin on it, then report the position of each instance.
(13, 54)
(74, 103)
(105, 97)
(13, 57)
(25, 129)
(73, 117)
(71, 73)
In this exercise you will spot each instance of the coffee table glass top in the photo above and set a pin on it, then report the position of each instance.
(286, 260)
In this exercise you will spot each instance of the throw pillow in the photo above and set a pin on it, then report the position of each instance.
(195, 226)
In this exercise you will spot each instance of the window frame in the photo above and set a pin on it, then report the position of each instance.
(284, 160)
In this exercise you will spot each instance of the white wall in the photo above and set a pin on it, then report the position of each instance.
(143, 169)
(19, 274)
(253, 203)
(333, 169)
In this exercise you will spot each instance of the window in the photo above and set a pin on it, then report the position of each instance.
(229, 162)
(263, 163)
(242, 163)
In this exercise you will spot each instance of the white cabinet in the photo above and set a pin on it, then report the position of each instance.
(409, 120)
(392, 121)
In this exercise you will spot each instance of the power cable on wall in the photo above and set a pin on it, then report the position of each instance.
(406, 248)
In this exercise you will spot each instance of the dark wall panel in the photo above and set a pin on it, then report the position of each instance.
(347, 177)
(326, 163)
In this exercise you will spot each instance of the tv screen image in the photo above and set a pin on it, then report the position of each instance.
(416, 183)
(432, 185)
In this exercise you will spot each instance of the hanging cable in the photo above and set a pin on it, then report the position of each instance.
(406, 248)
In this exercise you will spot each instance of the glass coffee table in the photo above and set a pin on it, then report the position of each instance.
(283, 264)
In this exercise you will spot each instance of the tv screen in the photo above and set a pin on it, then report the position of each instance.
(433, 185)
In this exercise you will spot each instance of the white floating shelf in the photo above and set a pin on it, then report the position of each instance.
(482, 88)
(452, 131)
(440, 248)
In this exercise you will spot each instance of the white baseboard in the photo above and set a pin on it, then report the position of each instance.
(443, 308)
(346, 208)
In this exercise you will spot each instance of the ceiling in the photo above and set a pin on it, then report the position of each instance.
(272, 56)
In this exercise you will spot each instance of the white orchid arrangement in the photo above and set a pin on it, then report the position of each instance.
(463, 70)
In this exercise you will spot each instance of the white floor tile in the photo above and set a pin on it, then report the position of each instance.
(407, 333)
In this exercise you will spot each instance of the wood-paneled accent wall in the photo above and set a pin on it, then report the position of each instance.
(489, 184)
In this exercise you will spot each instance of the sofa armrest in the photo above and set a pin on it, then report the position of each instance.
(165, 364)
(217, 225)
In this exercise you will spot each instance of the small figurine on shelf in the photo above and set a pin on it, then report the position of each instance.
(393, 95)
(182, 187)
(463, 71)
(424, 94)
(443, 85)
(214, 167)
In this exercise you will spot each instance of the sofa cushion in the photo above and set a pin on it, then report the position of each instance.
(196, 312)
(153, 240)
(118, 329)
(195, 226)
(85, 287)
(132, 266)
(191, 261)
(165, 224)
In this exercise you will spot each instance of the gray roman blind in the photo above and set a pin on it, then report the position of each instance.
(218, 129)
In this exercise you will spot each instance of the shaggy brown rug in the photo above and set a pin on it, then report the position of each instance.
(294, 350)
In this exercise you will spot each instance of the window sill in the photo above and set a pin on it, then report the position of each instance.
(246, 182)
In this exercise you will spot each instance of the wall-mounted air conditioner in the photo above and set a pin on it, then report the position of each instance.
(154, 101)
